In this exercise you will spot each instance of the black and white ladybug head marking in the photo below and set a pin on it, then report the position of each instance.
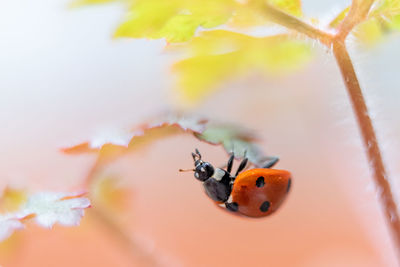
(203, 170)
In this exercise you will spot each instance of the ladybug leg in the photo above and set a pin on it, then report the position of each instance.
(231, 206)
(230, 163)
(271, 162)
(241, 166)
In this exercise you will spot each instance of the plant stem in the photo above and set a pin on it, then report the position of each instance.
(369, 139)
(291, 22)
(136, 251)
(358, 12)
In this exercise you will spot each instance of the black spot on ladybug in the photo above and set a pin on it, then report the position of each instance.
(288, 185)
(265, 206)
(260, 182)
(232, 206)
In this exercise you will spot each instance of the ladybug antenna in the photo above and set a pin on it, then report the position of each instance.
(188, 170)
(198, 153)
(196, 156)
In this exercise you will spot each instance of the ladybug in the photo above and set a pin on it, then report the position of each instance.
(255, 192)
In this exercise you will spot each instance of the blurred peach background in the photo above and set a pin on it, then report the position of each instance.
(63, 80)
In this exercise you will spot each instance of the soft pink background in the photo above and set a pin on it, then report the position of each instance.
(63, 80)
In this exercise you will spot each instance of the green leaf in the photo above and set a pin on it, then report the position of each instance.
(219, 55)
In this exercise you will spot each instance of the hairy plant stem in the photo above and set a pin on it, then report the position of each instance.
(369, 138)
(291, 22)
(136, 251)
(358, 12)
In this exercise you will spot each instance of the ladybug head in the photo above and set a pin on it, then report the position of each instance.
(203, 170)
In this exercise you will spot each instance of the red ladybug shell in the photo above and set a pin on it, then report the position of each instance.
(259, 192)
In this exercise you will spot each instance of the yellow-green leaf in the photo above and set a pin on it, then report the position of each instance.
(109, 193)
(383, 18)
(369, 32)
(339, 18)
(385, 9)
(178, 20)
(11, 199)
(387, 14)
(395, 23)
(175, 20)
(291, 6)
(219, 55)
(245, 16)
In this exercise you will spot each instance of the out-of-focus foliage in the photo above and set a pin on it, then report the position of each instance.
(174, 20)
(369, 32)
(178, 20)
(213, 60)
(46, 209)
(232, 138)
(218, 55)
(387, 12)
(12, 199)
(140, 136)
(108, 193)
(383, 18)
(8, 226)
(339, 18)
